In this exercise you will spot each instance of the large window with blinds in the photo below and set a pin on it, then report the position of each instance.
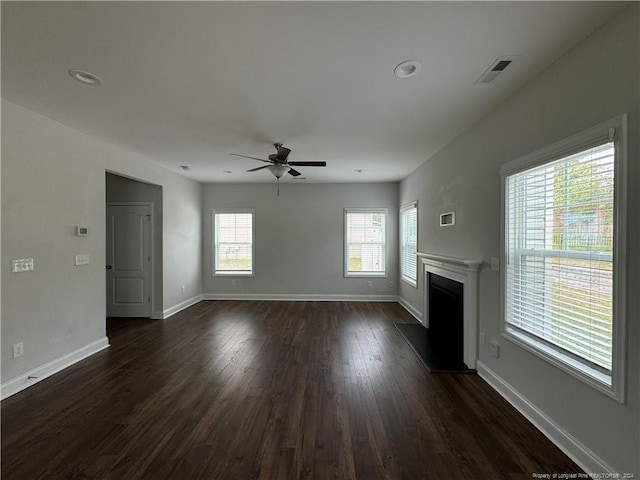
(409, 243)
(233, 242)
(365, 232)
(561, 226)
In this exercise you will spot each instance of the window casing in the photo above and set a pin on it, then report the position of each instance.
(365, 237)
(409, 243)
(563, 255)
(233, 248)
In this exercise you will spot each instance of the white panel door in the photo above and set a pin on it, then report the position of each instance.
(128, 261)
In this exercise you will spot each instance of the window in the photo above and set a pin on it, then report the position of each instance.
(233, 242)
(562, 255)
(365, 242)
(409, 243)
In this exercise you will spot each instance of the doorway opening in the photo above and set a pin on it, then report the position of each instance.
(133, 248)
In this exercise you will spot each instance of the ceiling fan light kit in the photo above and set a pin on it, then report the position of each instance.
(278, 163)
(278, 170)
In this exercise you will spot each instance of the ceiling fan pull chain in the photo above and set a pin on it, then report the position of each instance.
(278, 182)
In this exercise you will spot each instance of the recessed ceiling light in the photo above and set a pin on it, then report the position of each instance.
(358, 170)
(227, 171)
(186, 168)
(407, 69)
(85, 77)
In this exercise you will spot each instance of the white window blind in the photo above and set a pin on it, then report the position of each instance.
(365, 242)
(233, 243)
(409, 243)
(559, 239)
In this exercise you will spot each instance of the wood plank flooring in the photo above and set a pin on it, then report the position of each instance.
(267, 390)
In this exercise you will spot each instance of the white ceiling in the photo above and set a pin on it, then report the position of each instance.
(186, 83)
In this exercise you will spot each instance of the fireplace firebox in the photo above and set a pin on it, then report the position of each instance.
(446, 314)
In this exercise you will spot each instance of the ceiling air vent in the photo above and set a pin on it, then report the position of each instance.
(496, 69)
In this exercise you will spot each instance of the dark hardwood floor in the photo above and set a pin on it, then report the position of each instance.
(270, 390)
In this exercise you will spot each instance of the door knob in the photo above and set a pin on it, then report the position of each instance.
(109, 267)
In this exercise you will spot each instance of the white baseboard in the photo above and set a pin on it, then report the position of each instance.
(38, 374)
(300, 297)
(411, 309)
(571, 446)
(181, 306)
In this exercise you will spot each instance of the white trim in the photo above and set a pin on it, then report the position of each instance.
(564, 362)
(465, 271)
(456, 262)
(619, 261)
(38, 374)
(409, 281)
(300, 297)
(417, 314)
(567, 146)
(570, 445)
(181, 306)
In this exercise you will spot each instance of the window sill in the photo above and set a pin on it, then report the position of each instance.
(573, 367)
(409, 281)
(232, 274)
(365, 274)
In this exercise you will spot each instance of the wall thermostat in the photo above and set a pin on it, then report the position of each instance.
(82, 231)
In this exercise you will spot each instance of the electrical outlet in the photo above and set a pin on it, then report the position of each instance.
(481, 338)
(369, 283)
(495, 264)
(495, 349)
(18, 349)
(183, 288)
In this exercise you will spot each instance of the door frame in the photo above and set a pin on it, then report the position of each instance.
(150, 240)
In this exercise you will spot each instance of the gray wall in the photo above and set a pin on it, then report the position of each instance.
(594, 82)
(299, 238)
(122, 189)
(53, 178)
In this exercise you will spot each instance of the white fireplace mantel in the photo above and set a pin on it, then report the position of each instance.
(465, 271)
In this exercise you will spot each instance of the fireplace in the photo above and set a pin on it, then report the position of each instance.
(452, 271)
(446, 314)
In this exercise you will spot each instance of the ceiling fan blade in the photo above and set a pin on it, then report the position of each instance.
(258, 168)
(308, 164)
(294, 173)
(283, 153)
(253, 158)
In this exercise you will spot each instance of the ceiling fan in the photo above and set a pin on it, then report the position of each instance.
(278, 163)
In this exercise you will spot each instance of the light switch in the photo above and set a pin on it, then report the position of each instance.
(82, 259)
(22, 265)
(494, 347)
